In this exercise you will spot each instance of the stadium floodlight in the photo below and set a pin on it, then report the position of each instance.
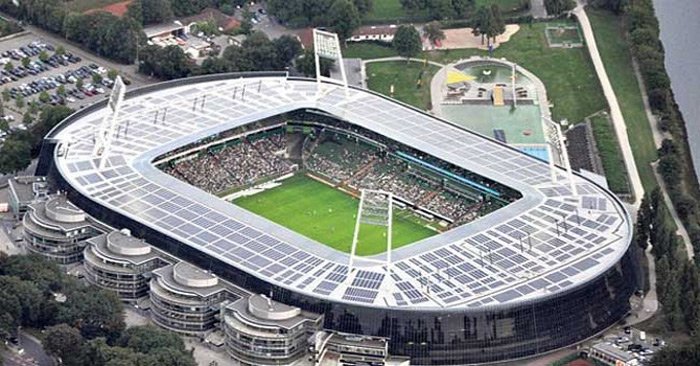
(327, 45)
(375, 209)
(557, 143)
(103, 138)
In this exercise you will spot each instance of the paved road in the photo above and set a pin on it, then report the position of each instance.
(650, 303)
(34, 349)
(537, 9)
(615, 111)
(679, 224)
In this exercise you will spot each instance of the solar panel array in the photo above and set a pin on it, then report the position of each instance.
(547, 241)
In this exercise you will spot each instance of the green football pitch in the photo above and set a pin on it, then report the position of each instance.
(327, 215)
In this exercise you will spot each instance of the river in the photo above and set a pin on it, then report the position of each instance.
(680, 34)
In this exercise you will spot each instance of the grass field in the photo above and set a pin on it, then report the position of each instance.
(614, 50)
(327, 215)
(568, 73)
(381, 75)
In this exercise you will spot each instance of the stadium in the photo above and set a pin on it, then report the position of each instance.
(260, 178)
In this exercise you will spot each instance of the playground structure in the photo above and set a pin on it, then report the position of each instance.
(482, 81)
(499, 99)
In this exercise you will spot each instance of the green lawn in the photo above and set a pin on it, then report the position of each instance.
(327, 215)
(507, 6)
(610, 155)
(381, 75)
(614, 50)
(368, 50)
(568, 73)
(389, 11)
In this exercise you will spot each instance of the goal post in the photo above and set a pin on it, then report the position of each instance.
(375, 209)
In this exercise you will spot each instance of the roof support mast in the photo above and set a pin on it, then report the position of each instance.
(327, 45)
(557, 143)
(105, 134)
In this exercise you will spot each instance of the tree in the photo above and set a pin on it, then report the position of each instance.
(34, 268)
(413, 6)
(19, 101)
(363, 6)
(15, 154)
(497, 24)
(344, 17)
(166, 63)
(43, 56)
(95, 312)
(60, 51)
(96, 78)
(482, 22)
(207, 27)
(156, 11)
(672, 306)
(246, 27)
(307, 65)
(112, 74)
(29, 297)
(440, 9)
(287, 48)
(677, 355)
(433, 31)
(27, 118)
(147, 338)
(407, 41)
(9, 67)
(44, 97)
(6, 95)
(686, 205)
(26, 61)
(463, 8)
(61, 90)
(556, 7)
(65, 342)
(168, 357)
(79, 83)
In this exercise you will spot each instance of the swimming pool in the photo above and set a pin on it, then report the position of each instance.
(539, 152)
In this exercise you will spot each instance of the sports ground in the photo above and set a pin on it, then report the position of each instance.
(328, 216)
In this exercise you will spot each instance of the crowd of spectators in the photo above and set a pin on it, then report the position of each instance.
(236, 164)
(359, 165)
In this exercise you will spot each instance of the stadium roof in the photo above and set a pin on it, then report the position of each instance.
(547, 242)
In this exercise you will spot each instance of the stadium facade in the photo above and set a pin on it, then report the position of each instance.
(551, 269)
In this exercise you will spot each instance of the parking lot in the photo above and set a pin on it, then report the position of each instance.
(31, 70)
(26, 77)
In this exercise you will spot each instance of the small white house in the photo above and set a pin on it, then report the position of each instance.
(381, 33)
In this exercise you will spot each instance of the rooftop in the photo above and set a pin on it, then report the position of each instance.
(184, 277)
(58, 214)
(25, 188)
(118, 246)
(547, 242)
